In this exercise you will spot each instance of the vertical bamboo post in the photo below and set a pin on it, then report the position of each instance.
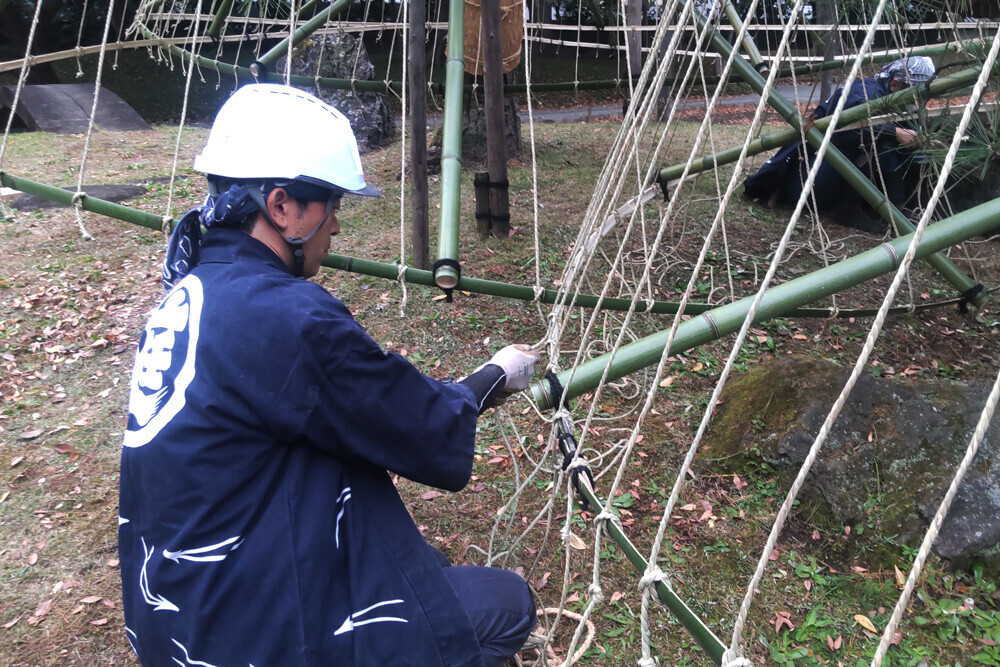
(496, 149)
(418, 134)
(446, 268)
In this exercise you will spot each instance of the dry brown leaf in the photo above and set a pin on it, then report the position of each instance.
(430, 495)
(576, 542)
(14, 461)
(100, 621)
(10, 624)
(865, 622)
(32, 559)
(697, 367)
(900, 577)
(666, 382)
(4, 495)
(43, 608)
(739, 483)
(690, 507)
(30, 435)
(91, 599)
(616, 596)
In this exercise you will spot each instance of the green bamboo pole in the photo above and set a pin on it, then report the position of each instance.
(302, 33)
(446, 275)
(215, 27)
(776, 302)
(864, 187)
(749, 46)
(367, 267)
(937, 88)
(701, 633)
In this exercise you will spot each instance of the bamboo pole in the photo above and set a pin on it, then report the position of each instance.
(446, 269)
(749, 46)
(367, 267)
(267, 61)
(776, 302)
(221, 14)
(938, 87)
(864, 187)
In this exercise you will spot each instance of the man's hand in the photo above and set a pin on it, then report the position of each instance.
(518, 363)
(905, 137)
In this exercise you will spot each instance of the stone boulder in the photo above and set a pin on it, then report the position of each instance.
(342, 56)
(886, 464)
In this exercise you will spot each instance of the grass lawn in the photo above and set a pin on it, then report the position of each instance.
(71, 312)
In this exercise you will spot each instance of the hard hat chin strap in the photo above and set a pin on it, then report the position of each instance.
(295, 244)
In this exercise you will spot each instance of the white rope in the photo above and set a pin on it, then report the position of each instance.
(77, 198)
(20, 82)
(987, 414)
(184, 108)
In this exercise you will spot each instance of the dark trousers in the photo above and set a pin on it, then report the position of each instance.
(500, 607)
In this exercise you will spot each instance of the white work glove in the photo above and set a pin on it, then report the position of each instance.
(518, 362)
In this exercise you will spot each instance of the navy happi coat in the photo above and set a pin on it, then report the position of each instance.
(258, 525)
(791, 162)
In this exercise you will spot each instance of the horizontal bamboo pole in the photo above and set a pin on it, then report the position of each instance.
(937, 88)
(367, 267)
(776, 302)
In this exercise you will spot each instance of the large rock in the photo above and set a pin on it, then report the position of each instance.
(342, 56)
(888, 460)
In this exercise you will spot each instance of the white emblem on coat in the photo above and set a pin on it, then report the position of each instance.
(164, 365)
(204, 554)
(342, 499)
(158, 602)
(187, 658)
(351, 621)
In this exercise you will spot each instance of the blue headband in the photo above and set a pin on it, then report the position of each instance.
(228, 209)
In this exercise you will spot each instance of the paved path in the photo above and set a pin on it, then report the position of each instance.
(586, 114)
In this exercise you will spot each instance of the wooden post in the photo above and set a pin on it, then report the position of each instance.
(418, 135)
(496, 151)
(481, 185)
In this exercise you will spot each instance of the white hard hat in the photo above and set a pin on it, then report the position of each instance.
(269, 131)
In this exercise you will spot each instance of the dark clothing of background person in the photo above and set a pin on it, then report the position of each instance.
(780, 179)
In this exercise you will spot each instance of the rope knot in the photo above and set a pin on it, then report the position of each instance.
(596, 593)
(652, 575)
(732, 658)
(647, 662)
(606, 515)
(539, 292)
(77, 199)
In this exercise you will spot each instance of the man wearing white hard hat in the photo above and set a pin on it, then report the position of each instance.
(780, 180)
(258, 523)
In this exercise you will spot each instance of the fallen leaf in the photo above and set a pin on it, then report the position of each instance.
(541, 581)
(739, 483)
(834, 644)
(815, 534)
(697, 367)
(14, 461)
(800, 337)
(100, 621)
(43, 608)
(690, 507)
(982, 640)
(900, 578)
(774, 555)
(431, 495)
(576, 542)
(64, 448)
(32, 559)
(616, 596)
(113, 562)
(666, 382)
(781, 619)
(865, 622)
(29, 435)
(10, 624)
(91, 599)
(3, 496)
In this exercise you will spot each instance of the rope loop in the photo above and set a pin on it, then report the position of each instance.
(77, 199)
(166, 225)
(539, 292)
(648, 662)
(605, 516)
(596, 592)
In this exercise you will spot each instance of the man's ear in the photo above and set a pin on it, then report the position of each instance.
(280, 206)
